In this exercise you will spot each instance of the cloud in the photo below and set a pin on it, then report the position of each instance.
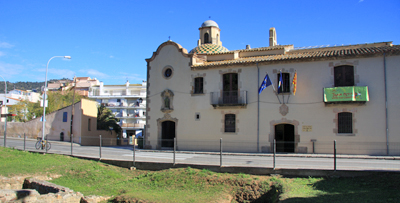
(53, 73)
(10, 70)
(360, 1)
(111, 57)
(123, 76)
(6, 45)
(2, 53)
(94, 73)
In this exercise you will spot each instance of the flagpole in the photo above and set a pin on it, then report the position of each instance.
(273, 87)
(258, 111)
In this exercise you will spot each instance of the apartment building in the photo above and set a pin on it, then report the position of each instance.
(127, 102)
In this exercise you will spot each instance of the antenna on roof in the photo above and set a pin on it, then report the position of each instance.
(209, 17)
(169, 38)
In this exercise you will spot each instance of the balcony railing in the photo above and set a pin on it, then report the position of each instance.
(124, 105)
(133, 125)
(229, 98)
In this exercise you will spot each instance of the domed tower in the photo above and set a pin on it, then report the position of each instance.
(209, 41)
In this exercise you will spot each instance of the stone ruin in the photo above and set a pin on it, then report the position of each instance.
(30, 190)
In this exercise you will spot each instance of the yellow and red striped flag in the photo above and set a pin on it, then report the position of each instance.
(294, 83)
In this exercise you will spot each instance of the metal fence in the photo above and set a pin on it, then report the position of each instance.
(222, 153)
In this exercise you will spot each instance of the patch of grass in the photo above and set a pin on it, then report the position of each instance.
(194, 185)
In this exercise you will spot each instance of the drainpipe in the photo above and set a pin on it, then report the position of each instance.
(386, 105)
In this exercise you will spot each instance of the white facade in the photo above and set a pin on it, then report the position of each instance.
(127, 102)
(199, 117)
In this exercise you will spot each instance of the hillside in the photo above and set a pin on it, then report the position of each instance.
(26, 85)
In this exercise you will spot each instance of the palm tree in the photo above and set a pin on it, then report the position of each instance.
(106, 119)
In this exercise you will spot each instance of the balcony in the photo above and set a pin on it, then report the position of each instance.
(122, 105)
(133, 125)
(129, 115)
(350, 94)
(228, 98)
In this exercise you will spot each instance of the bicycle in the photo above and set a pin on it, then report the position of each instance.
(42, 144)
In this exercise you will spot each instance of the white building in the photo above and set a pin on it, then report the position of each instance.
(15, 96)
(344, 93)
(127, 102)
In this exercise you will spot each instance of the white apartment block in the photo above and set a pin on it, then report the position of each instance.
(127, 102)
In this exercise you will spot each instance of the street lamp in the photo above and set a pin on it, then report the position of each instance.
(5, 107)
(45, 89)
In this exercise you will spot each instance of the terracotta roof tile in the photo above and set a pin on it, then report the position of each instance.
(308, 54)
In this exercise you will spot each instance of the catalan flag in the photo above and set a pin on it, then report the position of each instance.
(294, 83)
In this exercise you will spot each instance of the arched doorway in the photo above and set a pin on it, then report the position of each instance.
(167, 134)
(284, 136)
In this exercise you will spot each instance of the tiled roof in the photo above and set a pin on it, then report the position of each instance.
(209, 48)
(308, 55)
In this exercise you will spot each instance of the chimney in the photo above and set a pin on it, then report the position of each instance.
(272, 37)
(248, 46)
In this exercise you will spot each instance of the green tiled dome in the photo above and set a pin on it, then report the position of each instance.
(209, 48)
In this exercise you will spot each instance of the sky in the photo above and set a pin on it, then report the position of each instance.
(110, 39)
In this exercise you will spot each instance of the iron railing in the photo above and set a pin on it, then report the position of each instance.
(229, 98)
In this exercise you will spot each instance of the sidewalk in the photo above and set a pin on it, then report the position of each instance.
(130, 147)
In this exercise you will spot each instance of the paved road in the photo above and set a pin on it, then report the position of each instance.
(287, 161)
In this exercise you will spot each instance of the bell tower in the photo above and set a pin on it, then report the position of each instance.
(209, 33)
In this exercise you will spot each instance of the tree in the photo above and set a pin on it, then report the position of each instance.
(25, 111)
(106, 119)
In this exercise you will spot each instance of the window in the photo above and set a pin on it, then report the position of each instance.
(65, 116)
(344, 76)
(118, 100)
(198, 85)
(197, 116)
(89, 124)
(206, 38)
(230, 123)
(285, 86)
(345, 123)
(168, 73)
(230, 88)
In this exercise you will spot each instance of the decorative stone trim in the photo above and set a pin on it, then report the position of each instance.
(275, 79)
(169, 42)
(283, 109)
(167, 100)
(332, 65)
(221, 72)
(166, 117)
(223, 113)
(353, 112)
(192, 84)
(147, 144)
(272, 125)
(163, 72)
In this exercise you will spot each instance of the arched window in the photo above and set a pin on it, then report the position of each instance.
(345, 123)
(206, 38)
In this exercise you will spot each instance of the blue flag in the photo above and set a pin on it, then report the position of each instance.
(266, 82)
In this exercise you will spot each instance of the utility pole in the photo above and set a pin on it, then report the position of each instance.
(73, 105)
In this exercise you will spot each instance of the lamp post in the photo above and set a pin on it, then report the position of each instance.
(45, 89)
(5, 107)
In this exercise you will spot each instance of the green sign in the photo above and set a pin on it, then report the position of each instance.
(352, 93)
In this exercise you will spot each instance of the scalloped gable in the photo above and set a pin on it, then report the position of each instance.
(169, 42)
